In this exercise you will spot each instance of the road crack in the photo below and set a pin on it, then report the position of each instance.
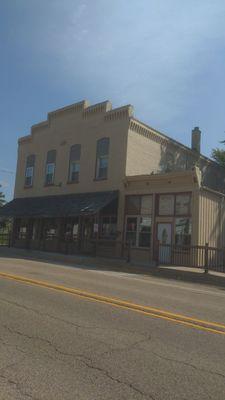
(188, 365)
(117, 380)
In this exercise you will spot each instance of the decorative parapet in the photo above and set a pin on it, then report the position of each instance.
(76, 107)
(41, 125)
(119, 113)
(98, 108)
(24, 139)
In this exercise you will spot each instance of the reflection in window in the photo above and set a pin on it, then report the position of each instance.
(22, 232)
(35, 230)
(145, 224)
(29, 172)
(183, 204)
(171, 204)
(166, 204)
(71, 230)
(50, 167)
(74, 164)
(102, 158)
(131, 231)
(50, 230)
(133, 205)
(108, 227)
(146, 205)
(183, 231)
(138, 231)
(140, 204)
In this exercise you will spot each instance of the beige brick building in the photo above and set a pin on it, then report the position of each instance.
(94, 178)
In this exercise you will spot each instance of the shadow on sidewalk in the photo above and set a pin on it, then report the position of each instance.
(181, 274)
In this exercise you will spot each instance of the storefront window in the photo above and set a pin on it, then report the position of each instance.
(144, 237)
(166, 204)
(50, 230)
(138, 220)
(139, 205)
(174, 204)
(71, 230)
(108, 227)
(22, 233)
(138, 231)
(35, 230)
(183, 204)
(131, 231)
(133, 204)
(146, 205)
(183, 231)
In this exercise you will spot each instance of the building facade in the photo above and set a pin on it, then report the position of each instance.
(96, 179)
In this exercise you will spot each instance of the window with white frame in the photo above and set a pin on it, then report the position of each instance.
(138, 231)
(138, 227)
(50, 167)
(102, 158)
(29, 171)
(74, 163)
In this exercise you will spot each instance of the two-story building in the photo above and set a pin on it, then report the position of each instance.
(94, 177)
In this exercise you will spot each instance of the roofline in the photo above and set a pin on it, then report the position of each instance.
(176, 142)
(174, 174)
(207, 189)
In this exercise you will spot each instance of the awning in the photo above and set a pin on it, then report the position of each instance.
(69, 205)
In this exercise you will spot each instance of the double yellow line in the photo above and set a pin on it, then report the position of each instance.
(212, 327)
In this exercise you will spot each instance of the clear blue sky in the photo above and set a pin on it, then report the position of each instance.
(166, 57)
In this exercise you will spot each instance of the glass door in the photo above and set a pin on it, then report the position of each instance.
(164, 236)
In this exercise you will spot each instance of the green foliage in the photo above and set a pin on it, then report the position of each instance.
(2, 198)
(219, 156)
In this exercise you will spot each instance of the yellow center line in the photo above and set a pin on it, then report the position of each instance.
(212, 327)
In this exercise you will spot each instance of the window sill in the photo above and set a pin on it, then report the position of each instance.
(49, 184)
(107, 238)
(28, 187)
(138, 247)
(72, 182)
(100, 179)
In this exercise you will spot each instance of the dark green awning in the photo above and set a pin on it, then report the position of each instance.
(69, 205)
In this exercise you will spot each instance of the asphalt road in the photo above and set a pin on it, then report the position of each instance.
(55, 345)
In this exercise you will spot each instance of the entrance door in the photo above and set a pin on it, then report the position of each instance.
(164, 236)
(87, 234)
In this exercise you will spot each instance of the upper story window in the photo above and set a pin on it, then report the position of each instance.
(74, 163)
(50, 167)
(102, 158)
(29, 171)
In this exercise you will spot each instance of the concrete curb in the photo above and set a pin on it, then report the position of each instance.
(192, 275)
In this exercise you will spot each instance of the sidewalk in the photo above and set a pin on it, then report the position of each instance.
(187, 274)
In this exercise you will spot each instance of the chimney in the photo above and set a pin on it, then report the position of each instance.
(196, 139)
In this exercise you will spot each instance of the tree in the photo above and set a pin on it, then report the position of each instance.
(219, 155)
(2, 198)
